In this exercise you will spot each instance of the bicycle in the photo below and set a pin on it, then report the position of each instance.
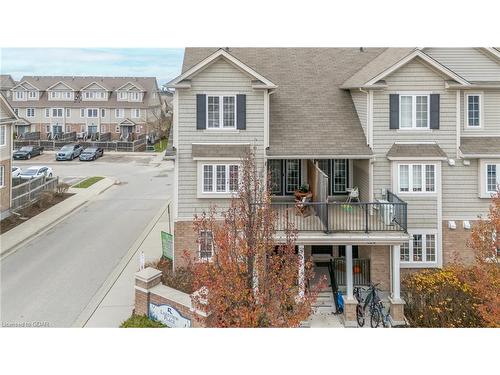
(370, 302)
(378, 315)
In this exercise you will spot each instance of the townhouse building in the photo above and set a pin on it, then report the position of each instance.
(7, 119)
(413, 133)
(121, 107)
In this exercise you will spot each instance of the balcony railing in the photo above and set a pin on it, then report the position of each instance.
(330, 217)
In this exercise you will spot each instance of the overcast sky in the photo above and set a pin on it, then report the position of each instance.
(162, 63)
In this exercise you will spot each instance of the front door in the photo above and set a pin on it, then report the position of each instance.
(285, 175)
(126, 131)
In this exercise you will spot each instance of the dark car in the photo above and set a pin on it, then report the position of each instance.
(91, 153)
(69, 152)
(27, 152)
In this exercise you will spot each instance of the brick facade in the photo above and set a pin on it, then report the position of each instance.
(185, 238)
(455, 244)
(5, 190)
(380, 266)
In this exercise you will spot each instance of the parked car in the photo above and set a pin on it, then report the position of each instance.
(16, 171)
(69, 152)
(91, 153)
(27, 152)
(36, 171)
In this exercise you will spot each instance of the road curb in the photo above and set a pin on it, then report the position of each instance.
(110, 281)
(41, 223)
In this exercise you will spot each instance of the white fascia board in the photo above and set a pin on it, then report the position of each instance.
(22, 83)
(97, 83)
(426, 58)
(220, 53)
(351, 157)
(405, 158)
(133, 84)
(64, 83)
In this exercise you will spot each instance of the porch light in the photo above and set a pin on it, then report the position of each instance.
(466, 224)
(451, 162)
(466, 162)
(452, 224)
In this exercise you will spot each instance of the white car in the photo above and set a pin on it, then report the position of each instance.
(16, 171)
(36, 171)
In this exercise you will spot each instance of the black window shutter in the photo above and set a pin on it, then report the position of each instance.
(241, 108)
(394, 111)
(201, 111)
(434, 115)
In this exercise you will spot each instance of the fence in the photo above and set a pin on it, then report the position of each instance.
(27, 193)
(360, 271)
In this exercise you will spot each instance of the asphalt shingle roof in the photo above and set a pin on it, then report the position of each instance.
(310, 115)
(403, 150)
(480, 145)
(223, 151)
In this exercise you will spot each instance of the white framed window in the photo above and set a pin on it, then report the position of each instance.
(92, 112)
(47, 112)
(88, 95)
(122, 95)
(221, 112)
(20, 95)
(414, 111)
(103, 112)
(136, 113)
(417, 178)
(30, 112)
(117, 129)
(492, 177)
(2, 176)
(16, 111)
(220, 178)
(421, 248)
(134, 96)
(68, 95)
(33, 95)
(119, 113)
(473, 106)
(82, 112)
(68, 112)
(206, 245)
(57, 112)
(54, 94)
(3, 135)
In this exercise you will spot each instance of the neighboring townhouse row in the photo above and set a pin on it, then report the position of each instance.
(123, 107)
(416, 132)
(7, 119)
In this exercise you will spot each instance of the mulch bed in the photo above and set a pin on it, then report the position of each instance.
(13, 220)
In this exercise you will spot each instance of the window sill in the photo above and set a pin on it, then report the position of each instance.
(415, 194)
(418, 265)
(216, 195)
(415, 130)
(221, 131)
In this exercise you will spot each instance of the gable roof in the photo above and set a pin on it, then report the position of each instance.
(6, 82)
(131, 84)
(7, 109)
(62, 83)
(476, 147)
(403, 151)
(391, 60)
(310, 114)
(94, 83)
(218, 54)
(22, 83)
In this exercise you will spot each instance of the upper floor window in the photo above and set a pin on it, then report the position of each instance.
(3, 134)
(421, 248)
(492, 177)
(30, 112)
(206, 244)
(473, 110)
(119, 113)
(220, 178)
(221, 112)
(97, 95)
(32, 95)
(103, 112)
(20, 95)
(136, 113)
(16, 111)
(57, 112)
(61, 95)
(417, 178)
(134, 96)
(414, 111)
(122, 95)
(68, 112)
(92, 112)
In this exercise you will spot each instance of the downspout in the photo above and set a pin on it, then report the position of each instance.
(369, 130)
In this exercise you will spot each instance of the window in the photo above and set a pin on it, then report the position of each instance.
(292, 175)
(82, 112)
(417, 178)
(68, 94)
(47, 112)
(68, 112)
(30, 112)
(2, 176)
(20, 95)
(134, 96)
(92, 112)
(16, 111)
(206, 244)
(32, 95)
(122, 95)
(57, 112)
(54, 95)
(421, 248)
(103, 112)
(136, 113)
(285, 175)
(492, 177)
(473, 110)
(3, 135)
(220, 178)
(414, 111)
(119, 113)
(221, 116)
(339, 175)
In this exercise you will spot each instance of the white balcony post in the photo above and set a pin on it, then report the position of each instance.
(301, 271)
(348, 272)
(396, 292)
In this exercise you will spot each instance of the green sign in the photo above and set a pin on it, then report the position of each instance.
(166, 245)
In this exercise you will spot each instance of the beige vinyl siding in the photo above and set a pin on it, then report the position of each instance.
(469, 63)
(422, 211)
(490, 112)
(219, 78)
(361, 177)
(360, 103)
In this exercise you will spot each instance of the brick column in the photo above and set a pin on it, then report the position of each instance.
(144, 281)
(350, 312)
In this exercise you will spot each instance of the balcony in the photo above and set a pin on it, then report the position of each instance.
(389, 215)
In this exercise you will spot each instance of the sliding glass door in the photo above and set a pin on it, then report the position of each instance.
(337, 171)
(285, 175)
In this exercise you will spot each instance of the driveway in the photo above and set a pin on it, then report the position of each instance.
(51, 279)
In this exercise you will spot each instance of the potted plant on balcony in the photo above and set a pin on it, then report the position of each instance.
(302, 192)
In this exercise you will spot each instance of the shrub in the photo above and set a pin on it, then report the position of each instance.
(62, 188)
(439, 298)
(180, 279)
(45, 199)
(141, 321)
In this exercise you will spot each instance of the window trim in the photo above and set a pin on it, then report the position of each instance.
(57, 110)
(119, 113)
(91, 109)
(28, 111)
(221, 112)
(414, 96)
(424, 262)
(410, 178)
(211, 245)
(484, 168)
(3, 129)
(2, 176)
(466, 110)
(202, 193)
(132, 115)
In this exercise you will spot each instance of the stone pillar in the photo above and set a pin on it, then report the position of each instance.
(301, 271)
(348, 272)
(397, 304)
(144, 281)
(350, 312)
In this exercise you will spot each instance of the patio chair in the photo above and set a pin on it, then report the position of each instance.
(353, 194)
(303, 205)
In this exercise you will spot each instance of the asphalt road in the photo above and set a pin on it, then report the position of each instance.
(51, 279)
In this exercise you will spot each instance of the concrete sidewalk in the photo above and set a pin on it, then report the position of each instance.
(40, 223)
(115, 301)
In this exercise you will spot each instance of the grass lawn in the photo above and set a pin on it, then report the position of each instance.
(161, 146)
(88, 182)
(141, 321)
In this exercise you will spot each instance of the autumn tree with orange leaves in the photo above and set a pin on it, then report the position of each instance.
(251, 280)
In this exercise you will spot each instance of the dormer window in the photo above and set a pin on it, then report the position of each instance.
(32, 95)
(94, 95)
(122, 95)
(134, 96)
(20, 95)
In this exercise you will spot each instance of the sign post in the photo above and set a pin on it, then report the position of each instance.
(166, 245)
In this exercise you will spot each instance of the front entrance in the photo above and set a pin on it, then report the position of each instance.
(126, 132)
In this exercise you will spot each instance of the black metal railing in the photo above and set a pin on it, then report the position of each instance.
(388, 215)
(360, 271)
